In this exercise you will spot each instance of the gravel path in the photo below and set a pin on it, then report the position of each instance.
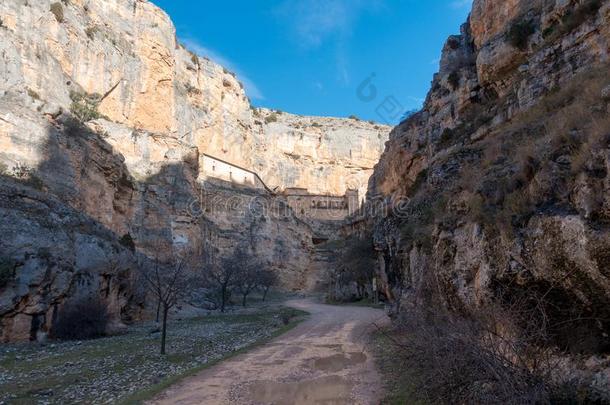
(321, 361)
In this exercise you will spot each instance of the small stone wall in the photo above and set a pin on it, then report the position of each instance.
(321, 207)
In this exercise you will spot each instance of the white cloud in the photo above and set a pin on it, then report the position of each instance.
(314, 23)
(342, 68)
(252, 90)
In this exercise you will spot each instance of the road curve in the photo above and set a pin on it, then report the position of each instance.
(321, 361)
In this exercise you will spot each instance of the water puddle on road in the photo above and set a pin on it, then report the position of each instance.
(330, 390)
(338, 362)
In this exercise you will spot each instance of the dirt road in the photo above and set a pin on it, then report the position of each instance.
(321, 361)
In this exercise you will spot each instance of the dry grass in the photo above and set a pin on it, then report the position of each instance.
(58, 11)
(499, 353)
(271, 118)
(538, 154)
(574, 18)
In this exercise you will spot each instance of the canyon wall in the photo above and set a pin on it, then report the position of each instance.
(104, 122)
(500, 185)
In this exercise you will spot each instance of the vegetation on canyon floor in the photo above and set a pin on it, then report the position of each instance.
(128, 368)
(440, 357)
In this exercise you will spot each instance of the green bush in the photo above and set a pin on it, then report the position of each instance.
(190, 89)
(519, 33)
(446, 137)
(58, 11)
(287, 314)
(453, 43)
(454, 80)
(582, 13)
(271, 118)
(127, 241)
(84, 106)
(34, 95)
(91, 31)
(572, 20)
(194, 58)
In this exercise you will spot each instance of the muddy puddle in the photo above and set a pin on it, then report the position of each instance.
(338, 362)
(330, 390)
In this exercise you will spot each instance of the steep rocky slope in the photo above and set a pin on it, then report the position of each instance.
(104, 118)
(500, 186)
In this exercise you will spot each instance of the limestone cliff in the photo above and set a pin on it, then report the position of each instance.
(323, 155)
(501, 184)
(104, 119)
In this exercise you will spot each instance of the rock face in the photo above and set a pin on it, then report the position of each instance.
(501, 184)
(323, 155)
(104, 121)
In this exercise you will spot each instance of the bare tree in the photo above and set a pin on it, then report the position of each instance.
(266, 279)
(247, 280)
(359, 264)
(168, 283)
(354, 270)
(222, 277)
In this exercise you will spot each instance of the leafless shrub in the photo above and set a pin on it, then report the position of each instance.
(458, 360)
(503, 352)
(27, 175)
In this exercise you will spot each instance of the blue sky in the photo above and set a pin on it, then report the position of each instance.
(313, 57)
